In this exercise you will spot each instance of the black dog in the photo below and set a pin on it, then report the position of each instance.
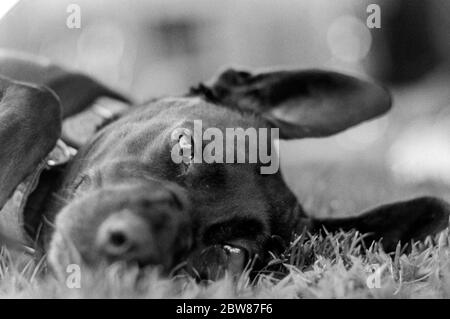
(123, 197)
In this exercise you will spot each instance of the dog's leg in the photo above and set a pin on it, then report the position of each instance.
(76, 91)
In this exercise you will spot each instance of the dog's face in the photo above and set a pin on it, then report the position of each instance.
(133, 202)
(129, 200)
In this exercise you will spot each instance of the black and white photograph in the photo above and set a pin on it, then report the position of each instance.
(243, 150)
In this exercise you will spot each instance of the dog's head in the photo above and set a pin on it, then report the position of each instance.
(169, 181)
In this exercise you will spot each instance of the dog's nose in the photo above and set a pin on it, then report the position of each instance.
(125, 236)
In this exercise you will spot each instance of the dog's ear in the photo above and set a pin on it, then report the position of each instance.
(398, 222)
(304, 103)
(75, 90)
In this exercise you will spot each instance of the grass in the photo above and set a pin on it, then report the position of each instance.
(328, 266)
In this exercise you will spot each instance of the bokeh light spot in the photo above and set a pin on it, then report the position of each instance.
(349, 39)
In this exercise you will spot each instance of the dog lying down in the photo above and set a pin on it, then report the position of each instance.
(128, 196)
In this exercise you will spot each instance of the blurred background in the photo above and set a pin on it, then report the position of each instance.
(150, 48)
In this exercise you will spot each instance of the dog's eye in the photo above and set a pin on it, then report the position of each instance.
(237, 258)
